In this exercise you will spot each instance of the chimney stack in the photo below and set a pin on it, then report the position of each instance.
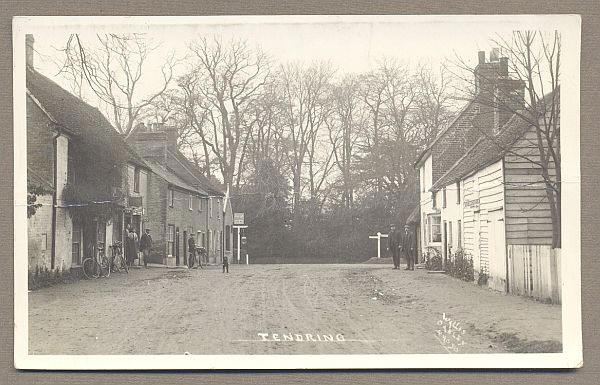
(29, 40)
(503, 69)
(481, 55)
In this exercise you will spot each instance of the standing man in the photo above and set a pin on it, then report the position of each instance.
(146, 246)
(408, 248)
(130, 246)
(136, 244)
(394, 245)
(192, 251)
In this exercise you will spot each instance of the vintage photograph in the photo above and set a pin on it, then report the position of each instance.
(289, 188)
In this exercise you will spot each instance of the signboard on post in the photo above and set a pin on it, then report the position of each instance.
(238, 218)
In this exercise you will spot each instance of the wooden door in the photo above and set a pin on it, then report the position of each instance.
(497, 251)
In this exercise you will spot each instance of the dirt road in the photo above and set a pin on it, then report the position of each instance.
(287, 309)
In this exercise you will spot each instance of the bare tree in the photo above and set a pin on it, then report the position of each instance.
(113, 69)
(304, 93)
(222, 85)
(344, 127)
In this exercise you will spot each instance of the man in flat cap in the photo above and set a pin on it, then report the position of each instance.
(394, 243)
(408, 248)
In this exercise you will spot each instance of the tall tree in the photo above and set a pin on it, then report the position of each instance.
(226, 78)
(305, 95)
(113, 67)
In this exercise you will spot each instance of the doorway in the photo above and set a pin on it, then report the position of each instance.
(177, 246)
(497, 257)
(185, 248)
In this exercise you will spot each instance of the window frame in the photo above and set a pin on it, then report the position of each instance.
(430, 229)
(136, 180)
(191, 202)
(171, 240)
(171, 198)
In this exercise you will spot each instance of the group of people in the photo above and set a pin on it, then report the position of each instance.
(402, 244)
(136, 247)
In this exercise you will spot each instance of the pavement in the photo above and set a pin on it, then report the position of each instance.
(286, 309)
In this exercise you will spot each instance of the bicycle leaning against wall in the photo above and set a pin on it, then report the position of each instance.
(98, 266)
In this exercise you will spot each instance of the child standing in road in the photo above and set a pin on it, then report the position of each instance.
(225, 264)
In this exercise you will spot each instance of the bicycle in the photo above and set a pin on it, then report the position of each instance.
(97, 267)
(117, 262)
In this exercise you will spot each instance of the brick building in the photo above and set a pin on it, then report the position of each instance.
(82, 163)
(181, 201)
(477, 118)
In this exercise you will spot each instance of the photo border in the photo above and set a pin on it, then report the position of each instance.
(571, 305)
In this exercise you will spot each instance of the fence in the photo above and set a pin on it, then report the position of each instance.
(534, 271)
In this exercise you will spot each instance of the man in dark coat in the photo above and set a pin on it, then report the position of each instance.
(146, 246)
(394, 245)
(408, 248)
(192, 251)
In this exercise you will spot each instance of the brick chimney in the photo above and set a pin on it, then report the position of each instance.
(29, 40)
(498, 93)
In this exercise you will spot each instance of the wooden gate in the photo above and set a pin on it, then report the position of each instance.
(534, 271)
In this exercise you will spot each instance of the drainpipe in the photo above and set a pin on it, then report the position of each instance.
(54, 198)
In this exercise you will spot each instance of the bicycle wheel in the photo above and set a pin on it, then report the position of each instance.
(91, 269)
(104, 267)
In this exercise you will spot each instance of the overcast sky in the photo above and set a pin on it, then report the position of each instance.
(349, 46)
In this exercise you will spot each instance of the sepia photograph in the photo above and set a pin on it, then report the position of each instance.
(274, 192)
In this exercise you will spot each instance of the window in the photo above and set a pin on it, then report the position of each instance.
(210, 207)
(136, 180)
(444, 197)
(171, 240)
(450, 234)
(171, 198)
(191, 202)
(459, 233)
(218, 209)
(435, 228)
(227, 238)
(433, 200)
(422, 178)
(199, 204)
(458, 193)
(76, 245)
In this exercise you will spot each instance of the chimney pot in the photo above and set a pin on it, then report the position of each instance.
(481, 55)
(494, 55)
(29, 40)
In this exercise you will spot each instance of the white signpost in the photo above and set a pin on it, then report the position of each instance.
(238, 225)
(378, 237)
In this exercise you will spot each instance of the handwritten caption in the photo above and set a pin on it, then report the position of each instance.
(450, 334)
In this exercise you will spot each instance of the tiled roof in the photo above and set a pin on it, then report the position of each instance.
(170, 176)
(487, 150)
(86, 122)
(442, 133)
(195, 175)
